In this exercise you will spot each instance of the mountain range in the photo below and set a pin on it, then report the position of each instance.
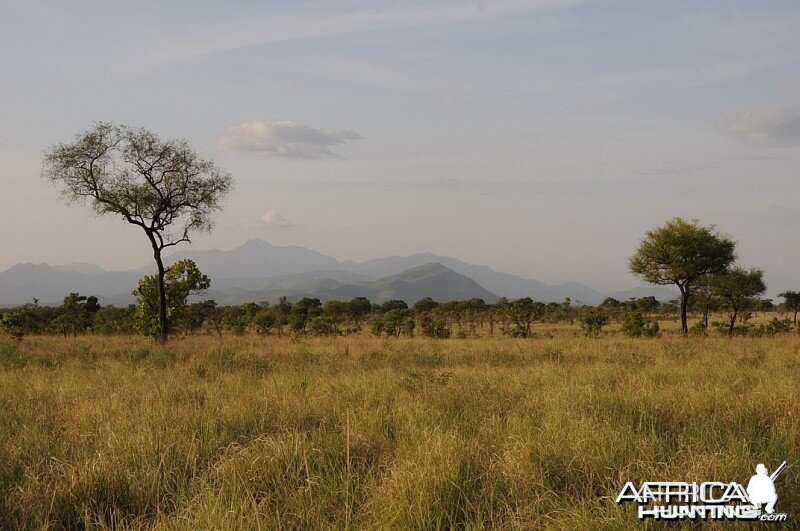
(259, 271)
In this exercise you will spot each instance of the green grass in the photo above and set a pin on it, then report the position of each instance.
(357, 432)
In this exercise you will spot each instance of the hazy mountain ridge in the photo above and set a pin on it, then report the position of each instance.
(254, 259)
(430, 280)
(23, 282)
(257, 270)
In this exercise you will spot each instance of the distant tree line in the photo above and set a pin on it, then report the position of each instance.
(640, 317)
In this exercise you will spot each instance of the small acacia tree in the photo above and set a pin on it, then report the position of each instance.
(161, 186)
(524, 312)
(593, 322)
(736, 290)
(181, 280)
(792, 303)
(682, 252)
(14, 323)
(77, 314)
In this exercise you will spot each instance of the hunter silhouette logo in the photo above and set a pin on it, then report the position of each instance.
(709, 500)
(761, 488)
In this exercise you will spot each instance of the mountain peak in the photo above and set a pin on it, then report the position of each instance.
(423, 271)
(255, 244)
(29, 266)
(80, 267)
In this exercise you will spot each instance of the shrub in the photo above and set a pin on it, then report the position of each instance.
(635, 325)
(699, 329)
(394, 322)
(15, 324)
(433, 327)
(264, 320)
(776, 326)
(323, 326)
(722, 329)
(593, 322)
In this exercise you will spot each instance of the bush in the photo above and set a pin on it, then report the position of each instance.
(635, 325)
(776, 326)
(722, 328)
(433, 327)
(699, 329)
(593, 322)
(323, 326)
(15, 324)
(264, 320)
(394, 322)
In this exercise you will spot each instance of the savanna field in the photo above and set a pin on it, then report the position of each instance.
(249, 432)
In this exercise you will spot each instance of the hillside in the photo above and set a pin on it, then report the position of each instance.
(259, 269)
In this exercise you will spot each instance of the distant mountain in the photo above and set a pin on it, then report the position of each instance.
(306, 281)
(258, 270)
(23, 282)
(81, 267)
(503, 284)
(429, 280)
(254, 259)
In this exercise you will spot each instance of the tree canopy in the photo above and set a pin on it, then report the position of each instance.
(680, 252)
(182, 279)
(736, 289)
(792, 302)
(161, 186)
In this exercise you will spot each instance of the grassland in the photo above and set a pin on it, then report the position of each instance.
(359, 432)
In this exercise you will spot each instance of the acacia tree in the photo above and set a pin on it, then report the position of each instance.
(682, 252)
(162, 186)
(77, 314)
(736, 290)
(182, 279)
(704, 300)
(792, 303)
(524, 312)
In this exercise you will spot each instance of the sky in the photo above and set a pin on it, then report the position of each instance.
(541, 138)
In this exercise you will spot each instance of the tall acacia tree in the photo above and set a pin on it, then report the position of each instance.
(737, 289)
(682, 252)
(162, 186)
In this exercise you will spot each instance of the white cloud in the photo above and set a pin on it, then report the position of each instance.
(269, 220)
(771, 126)
(285, 139)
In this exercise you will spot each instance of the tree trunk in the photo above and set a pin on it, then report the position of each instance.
(684, 306)
(733, 322)
(795, 317)
(163, 325)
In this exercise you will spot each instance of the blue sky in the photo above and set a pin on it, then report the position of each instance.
(540, 138)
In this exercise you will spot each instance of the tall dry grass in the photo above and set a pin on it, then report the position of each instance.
(247, 432)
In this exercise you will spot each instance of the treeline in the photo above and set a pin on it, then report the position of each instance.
(640, 317)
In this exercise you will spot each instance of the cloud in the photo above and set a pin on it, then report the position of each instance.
(270, 220)
(772, 126)
(226, 36)
(285, 139)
